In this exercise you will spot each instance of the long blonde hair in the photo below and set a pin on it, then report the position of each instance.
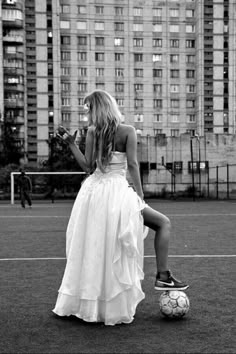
(104, 115)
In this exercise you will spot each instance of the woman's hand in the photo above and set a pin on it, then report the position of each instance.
(63, 134)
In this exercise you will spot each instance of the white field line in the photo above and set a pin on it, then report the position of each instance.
(148, 256)
(66, 216)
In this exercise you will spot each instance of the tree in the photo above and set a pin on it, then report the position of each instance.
(12, 147)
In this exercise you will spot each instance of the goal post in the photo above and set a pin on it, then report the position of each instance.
(13, 174)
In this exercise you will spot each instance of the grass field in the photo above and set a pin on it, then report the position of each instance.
(202, 252)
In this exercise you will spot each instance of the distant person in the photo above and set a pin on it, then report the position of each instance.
(105, 234)
(25, 185)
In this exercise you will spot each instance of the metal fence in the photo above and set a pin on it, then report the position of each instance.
(218, 182)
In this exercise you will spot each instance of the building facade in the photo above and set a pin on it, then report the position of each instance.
(170, 65)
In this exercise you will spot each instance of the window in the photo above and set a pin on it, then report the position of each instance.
(190, 88)
(65, 9)
(138, 118)
(157, 103)
(99, 26)
(119, 11)
(138, 42)
(157, 27)
(82, 71)
(81, 25)
(190, 29)
(193, 166)
(80, 101)
(138, 87)
(119, 87)
(82, 86)
(157, 117)
(190, 43)
(119, 26)
(65, 71)
(174, 28)
(138, 72)
(65, 101)
(99, 72)
(175, 132)
(82, 40)
(156, 57)
(99, 41)
(137, 27)
(174, 74)
(119, 72)
(190, 103)
(190, 74)
(100, 86)
(65, 40)
(178, 166)
(138, 103)
(65, 117)
(157, 42)
(138, 11)
(174, 88)
(191, 118)
(190, 59)
(174, 103)
(120, 102)
(50, 56)
(119, 42)
(99, 10)
(65, 55)
(10, 50)
(138, 57)
(189, 13)
(157, 88)
(174, 12)
(65, 24)
(174, 43)
(174, 118)
(81, 9)
(174, 58)
(99, 56)
(65, 86)
(82, 56)
(157, 72)
(119, 56)
(157, 12)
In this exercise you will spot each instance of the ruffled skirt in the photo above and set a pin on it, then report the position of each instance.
(104, 249)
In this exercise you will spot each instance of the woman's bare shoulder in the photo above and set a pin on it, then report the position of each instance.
(126, 128)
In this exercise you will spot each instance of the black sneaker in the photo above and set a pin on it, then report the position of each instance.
(170, 283)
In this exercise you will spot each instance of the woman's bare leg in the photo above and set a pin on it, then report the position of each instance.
(161, 225)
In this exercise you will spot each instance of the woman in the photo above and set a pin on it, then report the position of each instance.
(104, 246)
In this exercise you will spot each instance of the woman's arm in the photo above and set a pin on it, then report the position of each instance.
(85, 161)
(131, 152)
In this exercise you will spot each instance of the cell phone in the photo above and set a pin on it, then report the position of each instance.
(61, 131)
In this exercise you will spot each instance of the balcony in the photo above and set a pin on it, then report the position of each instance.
(13, 103)
(17, 55)
(13, 87)
(18, 120)
(10, 71)
(12, 17)
(16, 39)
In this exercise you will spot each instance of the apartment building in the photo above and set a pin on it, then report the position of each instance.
(170, 65)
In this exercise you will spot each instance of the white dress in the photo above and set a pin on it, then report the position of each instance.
(104, 249)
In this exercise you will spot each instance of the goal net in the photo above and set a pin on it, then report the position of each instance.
(50, 184)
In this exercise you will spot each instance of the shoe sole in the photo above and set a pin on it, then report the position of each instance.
(166, 288)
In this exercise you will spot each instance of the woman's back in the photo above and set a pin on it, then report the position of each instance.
(120, 138)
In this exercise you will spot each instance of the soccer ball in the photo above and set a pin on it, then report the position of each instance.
(174, 304)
